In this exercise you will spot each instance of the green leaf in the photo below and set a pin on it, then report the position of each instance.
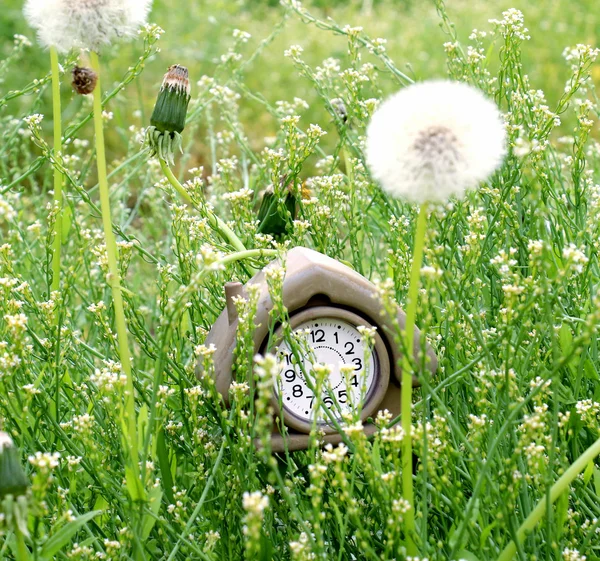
(154, 499)
(131, 480)
(486, 533)
(164, 465)
(589, 471)
(376, 457)
(562, 510)
(65, 534)
(590, 371)
(566, 339)
(597, 480)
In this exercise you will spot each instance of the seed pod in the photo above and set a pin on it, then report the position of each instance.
(13, 480)
(163, 136)
(84, 80)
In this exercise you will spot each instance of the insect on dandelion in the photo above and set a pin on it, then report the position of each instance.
(86, 24)
(433, 140)
(426, 143)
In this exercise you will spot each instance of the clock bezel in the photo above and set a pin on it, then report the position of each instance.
(381, 364)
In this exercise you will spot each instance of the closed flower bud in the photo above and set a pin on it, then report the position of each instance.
(84, 80)
(168, 118)
(13, 480)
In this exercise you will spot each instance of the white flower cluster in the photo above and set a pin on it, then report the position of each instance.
(573, 555)
(433, 140)
(575, 257)
(44, 461)
(88, 24)
(255, 502)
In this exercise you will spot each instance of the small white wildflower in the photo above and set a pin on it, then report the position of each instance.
(5, 441)
(255, 502)
(575, 257)
(88, 24)
(433, 140)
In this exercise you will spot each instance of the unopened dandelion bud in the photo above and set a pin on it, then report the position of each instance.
(168, 118)
(13, 480)
(84, 80)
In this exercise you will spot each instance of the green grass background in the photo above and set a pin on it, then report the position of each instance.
(198, 32)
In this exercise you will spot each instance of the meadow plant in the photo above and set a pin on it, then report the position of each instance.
(427, 143)
(504, 436)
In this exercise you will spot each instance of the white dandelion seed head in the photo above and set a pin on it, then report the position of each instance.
(87, 24)
(433, 140)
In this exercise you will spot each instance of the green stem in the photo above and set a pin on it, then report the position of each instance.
(114, 281)
(556, 491)
(200, 504)
(22, 553)
(407, 372)
(58, 178)
(225, 230)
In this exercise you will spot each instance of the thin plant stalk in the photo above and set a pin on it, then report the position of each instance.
(22, 553)
(225, 230)
(561, 486)
(58, 177)
(407, 372)
(114, 280)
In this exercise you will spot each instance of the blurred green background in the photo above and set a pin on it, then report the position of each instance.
(198, 32)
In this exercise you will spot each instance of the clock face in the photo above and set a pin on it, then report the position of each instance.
(334, 342)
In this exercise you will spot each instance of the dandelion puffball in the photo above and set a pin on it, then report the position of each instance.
(88, 24)
(433, 140)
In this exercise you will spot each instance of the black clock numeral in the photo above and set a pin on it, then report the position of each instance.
(318, 336)
(358, 363)
(344, 394)
(290, 375)
(287, 358)
(351, 345)
(328, 402)
(354, 381)
(297, 391)
(337, 342)
(312, 400)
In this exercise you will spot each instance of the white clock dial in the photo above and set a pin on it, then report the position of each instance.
(334, 342)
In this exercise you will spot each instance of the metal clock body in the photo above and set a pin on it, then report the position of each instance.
(328, 335)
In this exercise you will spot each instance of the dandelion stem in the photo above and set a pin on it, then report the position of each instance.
(114, 281)
(217, 223)
(58, 177)
(407, 372)
(556, 491)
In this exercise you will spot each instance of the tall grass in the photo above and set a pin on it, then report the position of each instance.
(509, 297)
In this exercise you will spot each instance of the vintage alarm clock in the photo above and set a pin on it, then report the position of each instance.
(327, 302)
